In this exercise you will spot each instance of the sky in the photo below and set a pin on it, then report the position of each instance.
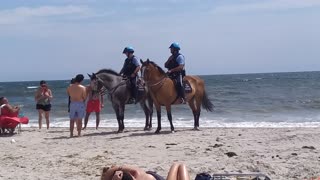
(56, 39)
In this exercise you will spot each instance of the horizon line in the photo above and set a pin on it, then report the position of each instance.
(189, 74)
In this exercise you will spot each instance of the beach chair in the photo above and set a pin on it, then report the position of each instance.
(9, 124)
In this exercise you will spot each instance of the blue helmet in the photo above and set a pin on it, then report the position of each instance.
(128, 49)
(175, 46)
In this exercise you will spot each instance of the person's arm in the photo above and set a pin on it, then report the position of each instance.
(179, 68)
(84, 93)
(123, 68)
(37, 95)
(50, 94)
(135, 73)
(12, 109)
(102, 101)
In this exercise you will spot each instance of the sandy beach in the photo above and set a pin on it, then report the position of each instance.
(281, 153)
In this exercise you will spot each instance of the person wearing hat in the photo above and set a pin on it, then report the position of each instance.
(175, 65)
(130, 70)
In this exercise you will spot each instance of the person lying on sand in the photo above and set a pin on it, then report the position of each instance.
(176, 172)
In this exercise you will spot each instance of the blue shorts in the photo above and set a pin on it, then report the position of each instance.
(77, 110)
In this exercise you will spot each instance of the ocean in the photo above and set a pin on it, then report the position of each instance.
(240, 100)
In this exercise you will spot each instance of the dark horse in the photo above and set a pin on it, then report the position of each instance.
(118, 89)
(163, 92)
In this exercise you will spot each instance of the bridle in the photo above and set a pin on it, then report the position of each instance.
(150, 84)
(110, 91)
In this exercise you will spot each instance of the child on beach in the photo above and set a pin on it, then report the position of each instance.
(78, 95)
(94, 104)
(43, 96)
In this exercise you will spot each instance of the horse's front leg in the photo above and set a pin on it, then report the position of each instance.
(158, 108)
(150, 110)
(168, 108)
(146, 113)
(121, 117)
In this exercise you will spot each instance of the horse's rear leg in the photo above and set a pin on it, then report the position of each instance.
(170, 117)
(195, 112)
(147, 115)
(198, 102)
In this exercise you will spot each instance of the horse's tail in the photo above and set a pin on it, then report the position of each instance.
(206, 103)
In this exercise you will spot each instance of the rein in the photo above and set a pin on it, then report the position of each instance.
(112, 90)
(157, 83)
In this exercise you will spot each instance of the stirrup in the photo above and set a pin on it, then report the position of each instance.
(183, 101)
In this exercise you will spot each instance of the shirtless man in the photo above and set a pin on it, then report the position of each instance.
(78, 95)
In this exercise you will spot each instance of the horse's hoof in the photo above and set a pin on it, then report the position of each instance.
(147, 129)
(120, 131)
(172, 132)
(157, 132)
(196, 129)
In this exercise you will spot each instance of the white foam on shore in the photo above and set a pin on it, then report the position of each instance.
(139, 122)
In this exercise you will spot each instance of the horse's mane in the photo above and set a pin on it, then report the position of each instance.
(160, 69)
(108, 71)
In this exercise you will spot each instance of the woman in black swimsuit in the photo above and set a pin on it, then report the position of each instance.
(176, 172)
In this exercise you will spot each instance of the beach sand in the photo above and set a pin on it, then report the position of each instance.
(277, 152)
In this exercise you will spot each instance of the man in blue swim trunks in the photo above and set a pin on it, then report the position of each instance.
(78, 95)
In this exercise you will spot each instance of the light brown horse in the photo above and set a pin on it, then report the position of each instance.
(163, 92)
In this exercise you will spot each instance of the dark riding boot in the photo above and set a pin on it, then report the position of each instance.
(133, 91)
(180, 89)
(181, 94)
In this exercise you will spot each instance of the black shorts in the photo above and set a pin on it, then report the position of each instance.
(44, 107)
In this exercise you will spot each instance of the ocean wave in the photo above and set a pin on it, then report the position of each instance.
(32, 87)
(184, 123)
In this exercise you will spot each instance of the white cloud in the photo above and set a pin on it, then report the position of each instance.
(26, 14)
(268, 5)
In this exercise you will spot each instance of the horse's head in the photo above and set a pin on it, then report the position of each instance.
(150, 70)
(95, 82)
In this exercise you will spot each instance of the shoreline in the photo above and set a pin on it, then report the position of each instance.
(280, 153)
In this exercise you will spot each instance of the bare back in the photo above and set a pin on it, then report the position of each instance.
(77, 93)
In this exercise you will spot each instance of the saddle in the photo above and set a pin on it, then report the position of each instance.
(186, 85)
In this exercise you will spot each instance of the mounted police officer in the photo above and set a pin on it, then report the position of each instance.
(130, 69)
(176, 72)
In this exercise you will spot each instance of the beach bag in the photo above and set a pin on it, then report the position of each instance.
(203, 176)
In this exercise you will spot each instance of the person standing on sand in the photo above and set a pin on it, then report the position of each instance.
(94, 104)
(78, 95)
(43, 97)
